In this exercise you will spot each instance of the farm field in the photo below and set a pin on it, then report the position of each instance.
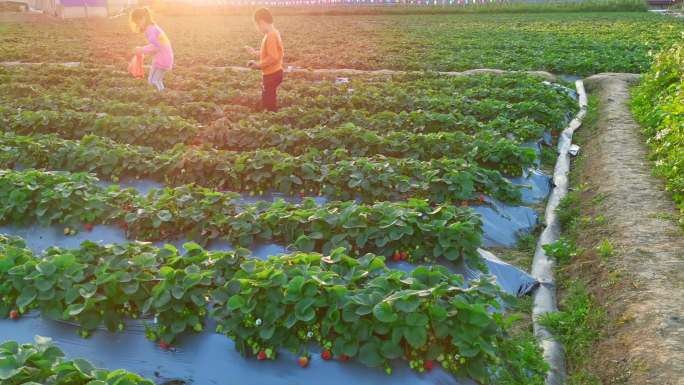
(563, 43)
(377, 224)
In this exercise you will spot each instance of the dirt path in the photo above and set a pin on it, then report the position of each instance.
(645, 340)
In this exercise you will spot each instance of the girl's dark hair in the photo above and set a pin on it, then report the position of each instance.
(142, 13)
(263, 14)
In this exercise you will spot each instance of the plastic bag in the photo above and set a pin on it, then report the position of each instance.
(135, 66)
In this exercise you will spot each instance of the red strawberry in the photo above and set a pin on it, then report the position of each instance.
(403, 255)
(303, 361)
(261, 356)
(196, 141)
(428, 365)
(326, 355)
(482, 198)
(343, 358)
(164, 345)
(88, 227)
(396, 257)
(14, 314)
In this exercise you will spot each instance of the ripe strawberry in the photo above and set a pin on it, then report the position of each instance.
(482, 198)
(396, 257)
(14, 314)
(164, 345)
(303, 361)
(261, 356)
(326, 355)
(428, 365)
(196, 141)
(343, 358)
(403, 255)
(88, 227)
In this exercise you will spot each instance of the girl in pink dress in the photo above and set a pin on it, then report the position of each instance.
(159, 45)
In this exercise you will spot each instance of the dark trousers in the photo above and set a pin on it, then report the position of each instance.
(268, 92)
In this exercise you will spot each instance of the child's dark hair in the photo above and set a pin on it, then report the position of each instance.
(263, 14)
(142, 13)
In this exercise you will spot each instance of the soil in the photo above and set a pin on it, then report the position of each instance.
(642, 285)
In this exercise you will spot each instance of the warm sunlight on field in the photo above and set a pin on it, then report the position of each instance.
(335, 193)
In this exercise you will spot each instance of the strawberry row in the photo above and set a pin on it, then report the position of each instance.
(44, 363)
(486, 147)
(426, 231)
(162, 131)
(529, 106)
(352, 308)
(335, 175)
(431, 92)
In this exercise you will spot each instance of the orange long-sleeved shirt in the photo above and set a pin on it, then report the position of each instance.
(271, 54)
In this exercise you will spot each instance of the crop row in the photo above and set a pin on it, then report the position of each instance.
(334, 175)
(530, 109)
(44, 363)
(657, 104)
(486, 147)
(154, 128)
(162, 131)
(396, 93)
(426, 232)
(351, 308)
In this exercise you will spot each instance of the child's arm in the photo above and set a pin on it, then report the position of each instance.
(154, 44)
(251, 51)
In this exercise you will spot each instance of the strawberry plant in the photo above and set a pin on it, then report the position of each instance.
(179, 301)
(44, 363)
(351, 307)
(51, 197)
(336, 175)
(151, 130)
(485, 147)
(427, 231)
(423, 316)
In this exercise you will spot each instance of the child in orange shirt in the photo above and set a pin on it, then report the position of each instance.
(270, 58)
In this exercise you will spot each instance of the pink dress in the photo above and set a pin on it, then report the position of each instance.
(160, 46)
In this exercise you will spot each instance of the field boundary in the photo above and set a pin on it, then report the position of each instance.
(545, 300)
(318, 71)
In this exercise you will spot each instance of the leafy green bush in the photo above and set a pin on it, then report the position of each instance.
(657, 104)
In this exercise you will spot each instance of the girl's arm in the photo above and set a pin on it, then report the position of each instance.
(153, 38)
